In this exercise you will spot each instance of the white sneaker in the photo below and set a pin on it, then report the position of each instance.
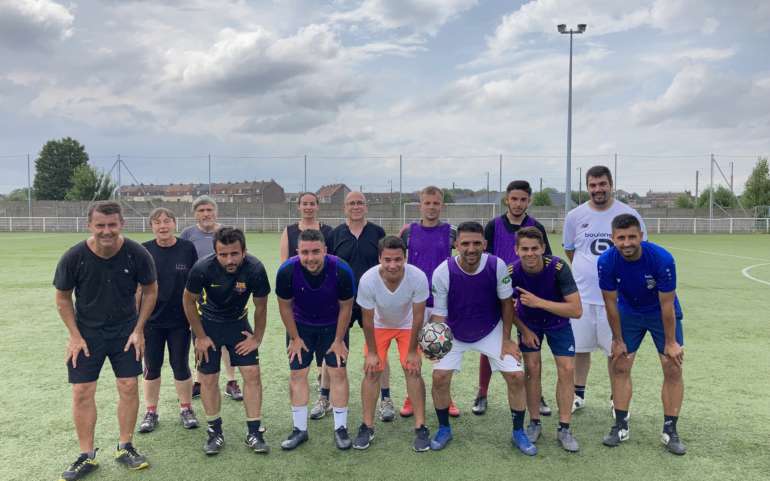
(578, 403)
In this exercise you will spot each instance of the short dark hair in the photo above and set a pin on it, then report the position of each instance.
(106, 207)
(229, 235)
(310, 235)
(470, 226)
(159, 211)
(391, 242)
(529, 233)
(624, 221)
(599, 171)
(303, 194)
(519, 185)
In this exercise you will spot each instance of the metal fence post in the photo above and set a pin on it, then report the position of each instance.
(30, 224)
(694, 225)
(731, 225)
(658, 225)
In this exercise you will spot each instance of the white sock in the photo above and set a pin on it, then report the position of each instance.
(299, 415)
(340, 417)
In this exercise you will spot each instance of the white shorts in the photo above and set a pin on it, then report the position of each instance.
(592, 331)
(490, 345)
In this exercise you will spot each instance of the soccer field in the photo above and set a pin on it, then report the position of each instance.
(724, 287)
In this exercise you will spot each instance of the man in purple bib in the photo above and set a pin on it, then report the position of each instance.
(500, 234)
(547, 299)
(315, 297)
(470, 293)
(429, 242)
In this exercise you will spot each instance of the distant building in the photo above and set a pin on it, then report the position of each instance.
(663, 199)
(269, 192)
(333, 194)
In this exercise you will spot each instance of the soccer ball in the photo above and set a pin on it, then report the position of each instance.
(435, 340)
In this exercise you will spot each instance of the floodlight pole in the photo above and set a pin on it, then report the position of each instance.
(568, 190)
(209, 174)
(29, 188)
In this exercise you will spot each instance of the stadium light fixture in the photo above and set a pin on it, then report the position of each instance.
(562, 28)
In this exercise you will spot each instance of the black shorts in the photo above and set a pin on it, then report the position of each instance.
(124, 363)
(318, 340)
(356, 316)
(227, 334)
(155, 341)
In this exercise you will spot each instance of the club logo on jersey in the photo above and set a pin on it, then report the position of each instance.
(599, 246)
(584, 226)
(181, 267)
(240, 287)
(507, 280)
(650, 281)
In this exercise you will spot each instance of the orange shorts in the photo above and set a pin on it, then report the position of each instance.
(382, 338)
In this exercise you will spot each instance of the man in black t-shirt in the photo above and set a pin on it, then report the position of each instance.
(224, 282)
(103, 271)
(168, 325)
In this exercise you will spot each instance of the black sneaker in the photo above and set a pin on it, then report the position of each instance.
(421, 439)
(214, 442)
(130, 458)
(673, 443)
(196, 392)
(296, 437)
(364, 437)
(257, 443)
(149, 423)
(616, 436)
(341, 438)
(479, 405)
(82, 466)
(188, 419)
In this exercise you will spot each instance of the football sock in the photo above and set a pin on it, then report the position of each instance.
(443, 416)
(669, 424)
(563, 426)
(340, 417)
(253, 425)
(215, 425)
(185, 406)
(485, 375)
(580, 391)
(535, 421)
(621, 419)
(385, 392)
(152, 409)
(325, 392)
(518, 419)
(299, 416)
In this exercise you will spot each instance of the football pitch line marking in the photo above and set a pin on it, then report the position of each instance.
(720, 254)
(746, 274)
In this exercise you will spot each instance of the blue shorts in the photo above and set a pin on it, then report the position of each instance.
(318, 340)
(561, 341)
(633, 326)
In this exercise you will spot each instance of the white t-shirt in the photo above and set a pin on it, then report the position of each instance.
(441, 282)
(392, 309)
(589, 233)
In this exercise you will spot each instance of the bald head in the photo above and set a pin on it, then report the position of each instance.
(355, 207)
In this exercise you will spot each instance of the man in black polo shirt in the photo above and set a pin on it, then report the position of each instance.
(174, 257)
(224, 282)
(103, 271)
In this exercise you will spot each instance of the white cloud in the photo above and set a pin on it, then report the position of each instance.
(33, 23)
(425, 16)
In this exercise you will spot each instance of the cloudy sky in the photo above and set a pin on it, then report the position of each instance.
(449, 84)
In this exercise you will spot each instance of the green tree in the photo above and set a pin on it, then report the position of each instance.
(757, 189)
(19, 194)
(541, 199)
(448, 197)
(88, 183)
(684, 201)
(722, 197)
(54, 167)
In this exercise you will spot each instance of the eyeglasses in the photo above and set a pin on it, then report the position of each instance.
(356, 202)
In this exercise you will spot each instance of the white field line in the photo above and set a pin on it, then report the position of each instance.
(746, 274)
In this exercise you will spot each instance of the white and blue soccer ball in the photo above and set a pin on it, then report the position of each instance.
(435, 340)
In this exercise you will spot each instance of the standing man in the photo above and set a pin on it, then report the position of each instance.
(202, 235)
(638, 282)
(429, 243)
(587, 234)
(392, 297)
(356, 242)
(315, 296)
(221, 285)
(500, 234)
(471, 292)
(547, 298)
(103, 271)
(168, 325)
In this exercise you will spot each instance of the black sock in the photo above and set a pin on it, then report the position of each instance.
(534, 421)
(385, 392)
(325, 392)
(563, 426)
(669, 424)
(253, 426)
(216, 425)
(580, 391)
(443, 416)
(621, 419)
(518, 419)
